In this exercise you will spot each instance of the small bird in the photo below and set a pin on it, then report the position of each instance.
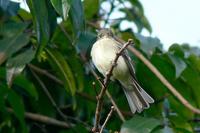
(103, 53)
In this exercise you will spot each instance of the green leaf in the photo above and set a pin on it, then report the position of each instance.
(136, 15)
(136, 3)
(179, 64)
(70, 53)
(139, 124)
(149, 44)
(77, 16)
(180, 122)
(91, 11)
(85, 41)
(63, 68)
(13, 40)
(44, 21)
(27, 85)
(166, 129)
(62, 7)
(18, 107)
(15, 65)
(192, 78)
(3, 94)
(10, 7)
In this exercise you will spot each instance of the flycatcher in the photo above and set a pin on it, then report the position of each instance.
(103, 54)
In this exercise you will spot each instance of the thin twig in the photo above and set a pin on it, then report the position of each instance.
(104, 87)
(44, 119)
(107, 118)
(49, 96)
(108, 95)
(95, 89)
(46, 73)
(164, 80)
(54, 78)
(55, 105)
(114, 104)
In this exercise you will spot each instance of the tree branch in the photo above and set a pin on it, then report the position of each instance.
(104, 87)
(107, 118)
(54, 78)
(108, 95)
(65, 117)
(164, 80)
(44, 119)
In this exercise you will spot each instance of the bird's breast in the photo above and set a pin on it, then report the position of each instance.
(103, 54)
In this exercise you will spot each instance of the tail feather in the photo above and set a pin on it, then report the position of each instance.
(137, 98)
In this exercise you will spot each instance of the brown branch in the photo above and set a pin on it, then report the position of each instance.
(44, 119)
(164, 80)
(104, 87)
(65, 117)
(54, 78)
(46, 73)
(108, 95)
(107, 118)
(115, 105)
(49, 96)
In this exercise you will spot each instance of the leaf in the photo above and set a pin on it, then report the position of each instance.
(3, 94)
(136, 15)
(139, 124)
(44, 21)
(149, 44)
(179, 64)
(85, 41)
(11, 72)
(13, 40)
(15, 65)
(10, 7)
(18, 107)
(77, 16)
(27, 85)
(91, 11)
(180, 122)
(166, 129)
(192, 79)
(71, 53)
(62, 7)
(63, 68)
(136, 3)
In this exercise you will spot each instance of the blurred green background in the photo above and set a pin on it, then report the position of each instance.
(45, 72)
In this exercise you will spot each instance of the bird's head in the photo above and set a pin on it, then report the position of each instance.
(105, 33)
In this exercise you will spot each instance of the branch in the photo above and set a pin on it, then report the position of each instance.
(107, 118)
(54, 78)
(108, 95)
(44, 119)
(49, 96)
(120, 113)
(65, 117)
(164, 80)
(105, 84)
(46, 73)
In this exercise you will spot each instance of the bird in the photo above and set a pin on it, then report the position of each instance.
(103, 53)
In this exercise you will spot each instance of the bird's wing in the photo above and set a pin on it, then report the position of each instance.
(126, 58)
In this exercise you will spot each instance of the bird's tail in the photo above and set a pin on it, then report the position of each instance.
(137, 98)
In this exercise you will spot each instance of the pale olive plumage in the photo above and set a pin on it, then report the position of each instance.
(103, 53)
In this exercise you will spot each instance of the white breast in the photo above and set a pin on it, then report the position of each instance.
(103, 53)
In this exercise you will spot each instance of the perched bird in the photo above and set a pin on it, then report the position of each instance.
(103, 53)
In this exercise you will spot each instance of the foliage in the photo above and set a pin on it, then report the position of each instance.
(35, 45)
